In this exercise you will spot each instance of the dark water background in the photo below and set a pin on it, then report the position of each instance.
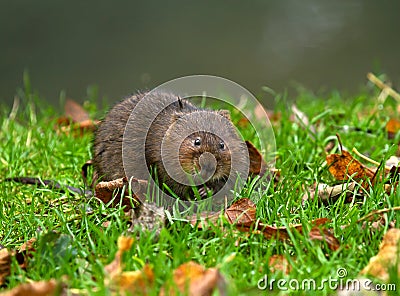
(122, 46)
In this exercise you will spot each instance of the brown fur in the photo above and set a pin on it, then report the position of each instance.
(168, 125)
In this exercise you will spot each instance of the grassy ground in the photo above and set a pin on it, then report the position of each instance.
(73, 242)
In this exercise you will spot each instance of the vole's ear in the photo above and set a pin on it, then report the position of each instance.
(180, 103)
(225, 113)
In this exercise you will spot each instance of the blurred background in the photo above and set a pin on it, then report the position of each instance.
(123, 46)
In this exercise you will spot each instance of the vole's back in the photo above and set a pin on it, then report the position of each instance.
(188, 146)
(108, 139)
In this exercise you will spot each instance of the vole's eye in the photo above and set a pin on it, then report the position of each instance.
(222, 145)
(197, 142)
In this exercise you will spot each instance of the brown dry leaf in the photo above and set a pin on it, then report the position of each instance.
(257, 163)
(138, 282)
(41, 288)
(21, 255)
(105, 190)
(78, 129)
(242, 212)
(387, 258)
(5, 264)
(134, 282)
(326, 193)
(25, 252)
(393, 161)
(281, 233)
(76, 119)
(75, 111)
(324, 235)
(115, 267)
(28, 246)
(193, 279)
(279, 263)
(392, 127)
(343, 165)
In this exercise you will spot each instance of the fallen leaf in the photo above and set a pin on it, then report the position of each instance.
(115, 267)
(392, 127)
(243, 211)
(281, 232)
(111, 191)
(76, 120)
(41, 288)
(242, 214)
(21, 256)
(327, 194)
(28, 245)
(5, 264)
(279, 263)
(343, 167)
(193, 279)
(257, 163)
(25, 252)
(75, 111)
(387, 258)
(324, 235)
(78, 129)
(138, 282)
(393, 161)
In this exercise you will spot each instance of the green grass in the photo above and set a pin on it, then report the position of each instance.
(73, 244)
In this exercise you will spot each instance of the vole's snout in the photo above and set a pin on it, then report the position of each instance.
(208, 165)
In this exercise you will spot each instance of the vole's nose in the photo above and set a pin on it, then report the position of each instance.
(208, 165)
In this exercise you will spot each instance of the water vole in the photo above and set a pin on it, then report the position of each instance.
(186, 145)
